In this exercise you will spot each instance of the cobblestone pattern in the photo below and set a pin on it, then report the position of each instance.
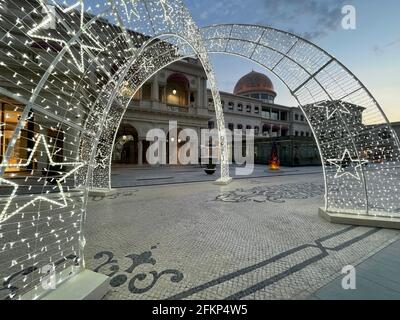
(186, 245)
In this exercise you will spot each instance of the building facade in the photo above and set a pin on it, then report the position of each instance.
(180, 93)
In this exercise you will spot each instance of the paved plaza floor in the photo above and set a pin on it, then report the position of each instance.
(132, 175)
(257, 238)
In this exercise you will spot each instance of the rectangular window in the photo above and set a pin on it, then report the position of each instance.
(296, 117)
(248, 108)
(255, 96)
(275, 115)
(10, 115)
(231, 126)
(265, 113)
(256, 109)
(230, 105)
(240, 107)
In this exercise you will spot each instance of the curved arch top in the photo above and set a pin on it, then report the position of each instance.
(64, 70)
(347, 122)
(67, 75)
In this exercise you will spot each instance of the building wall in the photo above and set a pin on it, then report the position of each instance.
(289, 122)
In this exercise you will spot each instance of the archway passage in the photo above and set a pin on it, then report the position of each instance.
(126, 147)
(346, 120)
(66, 71)
(358, 148)
(71, 70)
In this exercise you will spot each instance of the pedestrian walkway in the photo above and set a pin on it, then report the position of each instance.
(378, 277)
(134, 176)
(258, 238)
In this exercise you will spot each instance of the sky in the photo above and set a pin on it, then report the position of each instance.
(371, 51)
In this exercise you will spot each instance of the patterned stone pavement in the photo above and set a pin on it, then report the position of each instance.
(253, 239)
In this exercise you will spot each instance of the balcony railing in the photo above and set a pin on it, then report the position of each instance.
(175, 108)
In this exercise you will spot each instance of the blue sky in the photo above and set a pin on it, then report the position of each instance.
(371, 52)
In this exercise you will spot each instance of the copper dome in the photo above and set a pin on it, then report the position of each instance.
(254, 82)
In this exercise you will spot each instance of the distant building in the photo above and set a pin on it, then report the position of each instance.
(252, 106)
(179, 93)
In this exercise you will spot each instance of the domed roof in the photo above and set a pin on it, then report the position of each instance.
(254, 82)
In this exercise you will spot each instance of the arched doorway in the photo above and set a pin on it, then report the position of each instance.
(126, 146)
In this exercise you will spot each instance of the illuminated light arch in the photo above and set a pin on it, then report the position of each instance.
(344, 117)
(358, 148)
(67, 98)
(74, 102)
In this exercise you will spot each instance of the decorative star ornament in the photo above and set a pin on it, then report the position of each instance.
(61, 202)
(341, 165)
(167, 10)
(131, 10)
(50, 21)
(332, 107)
(101, 160)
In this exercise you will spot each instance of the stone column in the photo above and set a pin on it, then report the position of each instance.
(280, 130)
(140, 152)
(155, 89)
(198, 93)
(204, 103)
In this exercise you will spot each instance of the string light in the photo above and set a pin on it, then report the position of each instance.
(69, 73)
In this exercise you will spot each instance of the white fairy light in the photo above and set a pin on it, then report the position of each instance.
(75, 95)
(50, 21)
(341, 165)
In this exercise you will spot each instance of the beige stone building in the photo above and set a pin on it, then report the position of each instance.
(180, 93)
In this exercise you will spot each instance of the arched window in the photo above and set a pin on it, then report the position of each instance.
(178, 90)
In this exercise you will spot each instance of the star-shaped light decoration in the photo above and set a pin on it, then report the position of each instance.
(167, 11)
(101, 160)
(345, 161)
(332, 107)
(147, 64)
(51, 21)
(62, 202)
(131, 10)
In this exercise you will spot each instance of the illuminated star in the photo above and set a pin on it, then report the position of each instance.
(50, 19)
(62, 203)
(147, 65)
(344, 161)
(101, 160)
(167, 10)
(132, 10)
(333, 107)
